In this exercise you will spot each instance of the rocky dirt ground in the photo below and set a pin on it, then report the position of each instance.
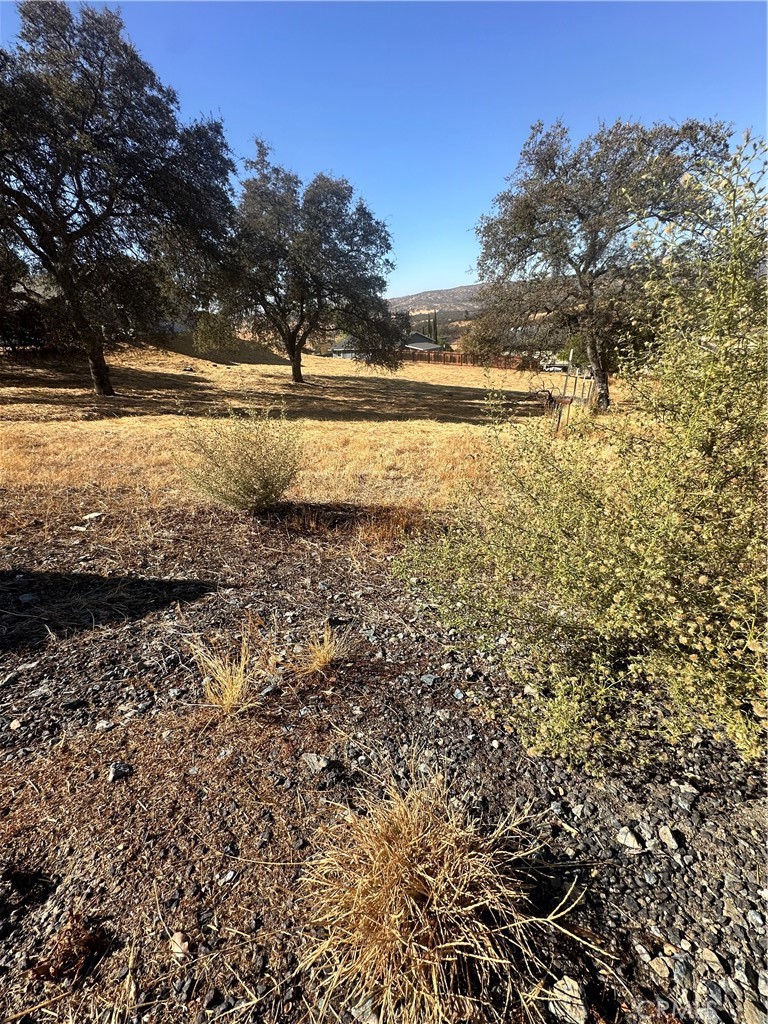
(151, 847)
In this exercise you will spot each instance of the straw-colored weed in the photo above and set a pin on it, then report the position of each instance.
(323, 651)
(227, 676)
(423, 918)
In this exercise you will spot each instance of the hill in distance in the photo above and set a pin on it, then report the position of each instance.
(453, 303)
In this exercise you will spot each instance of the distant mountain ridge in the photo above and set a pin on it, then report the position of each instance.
(455, 301)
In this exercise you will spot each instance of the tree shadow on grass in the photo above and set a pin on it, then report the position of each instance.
(35, 605)
(334, 398)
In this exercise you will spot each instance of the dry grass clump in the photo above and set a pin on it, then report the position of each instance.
(228, 676)
(230, 679)
(424, 919)
(323, 650)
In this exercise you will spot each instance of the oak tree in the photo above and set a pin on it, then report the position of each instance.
(98, 176)
(557, 254)
(310, 260)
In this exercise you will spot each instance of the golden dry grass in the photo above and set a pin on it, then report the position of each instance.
(227, 677)
(420, 917)
(323, 650)
(372, 438)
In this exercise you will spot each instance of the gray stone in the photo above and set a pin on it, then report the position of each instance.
(365, 1013)
(567, 1001)
(709, 992)
(315, 762)
(119, 770)
(709, 1015)
(643, 955)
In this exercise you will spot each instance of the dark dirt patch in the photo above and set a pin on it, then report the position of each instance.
(207, 833)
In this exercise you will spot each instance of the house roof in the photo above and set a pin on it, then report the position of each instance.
(421, 344)
(345, 344)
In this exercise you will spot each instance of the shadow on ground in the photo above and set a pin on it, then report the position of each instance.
(64, 392)
(35, 605)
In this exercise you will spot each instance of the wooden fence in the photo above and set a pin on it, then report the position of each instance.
(463, 359)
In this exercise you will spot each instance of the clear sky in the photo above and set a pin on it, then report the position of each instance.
(424, 106)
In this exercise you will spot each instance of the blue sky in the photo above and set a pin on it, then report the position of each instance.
(424, 106)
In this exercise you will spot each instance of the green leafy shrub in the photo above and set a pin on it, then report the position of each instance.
(623, 564)
(247, 461)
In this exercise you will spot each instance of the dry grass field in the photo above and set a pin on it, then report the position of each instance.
(370, 437)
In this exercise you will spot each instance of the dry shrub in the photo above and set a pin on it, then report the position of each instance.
(246, 462)
(424, 919)
(322, 651)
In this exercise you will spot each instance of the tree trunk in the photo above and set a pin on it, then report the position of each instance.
(599, 371)
(102, 385)
(296, 365)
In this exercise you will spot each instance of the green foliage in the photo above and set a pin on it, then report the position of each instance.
(623, 565)
(99, 180)
(558, 253)
(308, 260)
(247, 462)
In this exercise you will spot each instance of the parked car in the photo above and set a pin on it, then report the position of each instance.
(556, 368)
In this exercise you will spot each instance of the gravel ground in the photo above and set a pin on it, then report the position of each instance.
(162, 841)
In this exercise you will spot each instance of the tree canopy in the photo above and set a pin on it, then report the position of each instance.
(310, 260)
(557, 254)
(98, 176)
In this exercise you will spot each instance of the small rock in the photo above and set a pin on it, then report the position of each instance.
(119, 770)
(708, 1015)
(659, 967)
(15, 725)
(73, 705)
(365, 1013)
(666, 836)
(211, 998)
(628, 838)
(710, 957)
(315, 762)
(710, 993)
(458, 694)
(180, 945)
(567, 1001)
